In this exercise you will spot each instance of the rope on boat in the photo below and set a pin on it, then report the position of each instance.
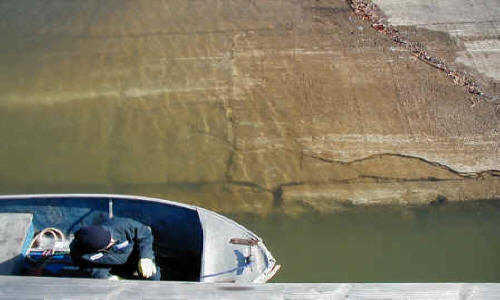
(38, 240)
(48, 251)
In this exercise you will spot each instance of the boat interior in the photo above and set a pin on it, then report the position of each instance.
(178, 234)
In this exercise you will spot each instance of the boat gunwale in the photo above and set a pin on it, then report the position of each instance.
(94, 196)
(129, 197)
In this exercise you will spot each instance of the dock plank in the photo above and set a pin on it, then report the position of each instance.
(17, 287)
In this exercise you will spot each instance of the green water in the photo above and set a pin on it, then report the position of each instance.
(450, 243)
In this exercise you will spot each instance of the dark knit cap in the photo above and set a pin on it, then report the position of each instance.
(92, 238)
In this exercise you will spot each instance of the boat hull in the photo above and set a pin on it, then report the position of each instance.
(192, 243)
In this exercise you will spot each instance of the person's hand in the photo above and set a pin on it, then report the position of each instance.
(147, 267)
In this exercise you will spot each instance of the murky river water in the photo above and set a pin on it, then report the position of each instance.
(450, 243)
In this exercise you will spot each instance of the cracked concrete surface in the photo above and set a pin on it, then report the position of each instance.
(235, 106)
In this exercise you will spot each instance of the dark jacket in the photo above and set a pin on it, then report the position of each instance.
(134, 241)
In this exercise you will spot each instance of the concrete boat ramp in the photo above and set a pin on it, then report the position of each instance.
(17, 287)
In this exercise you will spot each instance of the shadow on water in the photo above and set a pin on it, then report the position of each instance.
(442, 242)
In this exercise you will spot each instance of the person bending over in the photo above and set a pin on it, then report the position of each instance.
(115, 249)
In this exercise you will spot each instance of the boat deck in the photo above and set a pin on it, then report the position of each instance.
(13, 241)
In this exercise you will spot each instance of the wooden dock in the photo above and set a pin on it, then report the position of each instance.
(17, 287)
